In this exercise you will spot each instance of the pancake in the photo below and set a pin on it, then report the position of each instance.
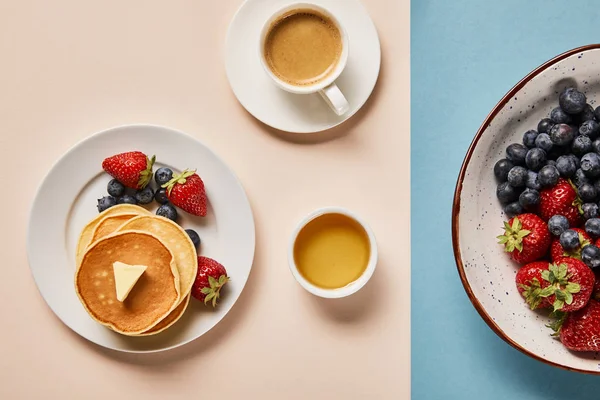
(177, 241)
(153, 297)
(85, 238)
(110, 224)
(170, 319)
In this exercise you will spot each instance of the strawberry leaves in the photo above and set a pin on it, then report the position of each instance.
(146, 175)
(560, 287)
(213, 292)
(178, 179)
(513, 236)
(559, 318)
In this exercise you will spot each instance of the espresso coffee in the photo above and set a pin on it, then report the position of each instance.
(303, 47)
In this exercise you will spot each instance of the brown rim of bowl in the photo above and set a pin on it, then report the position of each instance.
(456, 204)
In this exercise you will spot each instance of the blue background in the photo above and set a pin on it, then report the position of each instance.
(465, 55)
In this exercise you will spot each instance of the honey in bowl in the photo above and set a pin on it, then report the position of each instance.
(332, 251)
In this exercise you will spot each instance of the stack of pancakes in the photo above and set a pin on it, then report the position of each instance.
(132, 235)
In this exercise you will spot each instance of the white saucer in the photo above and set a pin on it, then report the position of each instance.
(291, 112)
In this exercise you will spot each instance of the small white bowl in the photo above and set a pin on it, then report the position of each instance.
(351, 287)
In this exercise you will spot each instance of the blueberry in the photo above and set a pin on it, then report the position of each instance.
(194, 236)
(532, 181)
(545, 125)
(590, 210)
(587, 192)
(590, 164)
(529, 138)
(592, 227)
(597, 113)
(529, 199)
(548, 175)
(543, 141)
(558, 116)
(580, 178)
(501, 169)
(586, 115)
(562, 134)
(566, 166)
(569, 239)
(163, 175)
(575, 160)
(517, 176)
(506, 193)
(513, 209)
(572, 101)
(161, 196)
(167, 210)
(145, 196)
(590, 128)
(115, 188)
(551, 162)
(557, 224)
(596, 184)
(581, 145)
(126, 199)
(596, 146)
(536, 159)
(516, 153)
(590, 255)
(105, 203)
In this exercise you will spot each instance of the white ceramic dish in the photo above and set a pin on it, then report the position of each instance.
(66, 201)
(485, 270)
(292, 112)
(352, 287)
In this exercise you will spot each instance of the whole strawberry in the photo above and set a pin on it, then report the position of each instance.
(557, 251)
(186, 191)
(580, 330)
(526, 238)
(561, 199)
(133, 169)
(211, 277)
(571, 283)
(530, 284)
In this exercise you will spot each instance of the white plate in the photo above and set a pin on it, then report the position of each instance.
(293, 112)
(66, 201)
(486, 271)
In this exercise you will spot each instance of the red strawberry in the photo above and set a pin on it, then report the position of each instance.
(530, 284)
(561, 199)
(580, 330)
(186, 191)
(558, 252)
(570, 283)
(596, 290)
(132, 169)
(211, 277)
(526, 237)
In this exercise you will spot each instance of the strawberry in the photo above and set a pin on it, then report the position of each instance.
(596, 290)
(186, 191)
(530, 284)
(211, 277)
(133, 169)
(557, 251)
(526, 238)
(572, 282)
(580, 330)
(561, 199)
(566, 285)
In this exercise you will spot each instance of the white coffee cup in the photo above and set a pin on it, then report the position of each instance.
(349, 289)
(326, 87)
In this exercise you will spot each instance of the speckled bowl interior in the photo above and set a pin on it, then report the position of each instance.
(487, 273)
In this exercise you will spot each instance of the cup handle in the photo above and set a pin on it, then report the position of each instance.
(335, 98)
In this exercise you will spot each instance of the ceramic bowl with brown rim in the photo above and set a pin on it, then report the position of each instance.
(486, 271)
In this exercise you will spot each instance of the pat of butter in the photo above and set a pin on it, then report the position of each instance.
(126, 276)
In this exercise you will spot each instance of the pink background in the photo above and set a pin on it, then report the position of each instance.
(69, 68)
